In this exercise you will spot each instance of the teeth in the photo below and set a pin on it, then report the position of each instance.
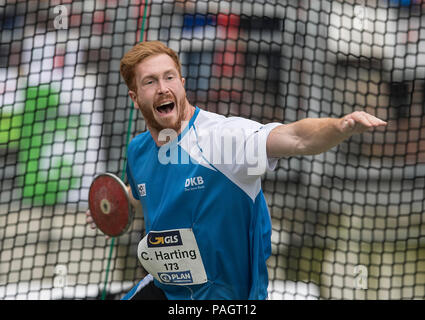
(164, 103)
(165, 107)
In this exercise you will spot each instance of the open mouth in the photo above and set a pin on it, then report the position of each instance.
(165, 107)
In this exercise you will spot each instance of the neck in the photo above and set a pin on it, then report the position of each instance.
(189, 111)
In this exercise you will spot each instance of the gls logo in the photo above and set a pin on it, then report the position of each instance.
(164, 239)
(194, 183)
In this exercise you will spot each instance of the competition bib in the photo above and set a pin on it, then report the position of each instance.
(172, 257)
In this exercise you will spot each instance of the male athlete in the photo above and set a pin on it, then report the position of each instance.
(197, 177)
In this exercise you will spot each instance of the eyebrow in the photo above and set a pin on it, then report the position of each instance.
(154, 75)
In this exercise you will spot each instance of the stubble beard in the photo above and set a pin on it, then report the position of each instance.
(151, 122)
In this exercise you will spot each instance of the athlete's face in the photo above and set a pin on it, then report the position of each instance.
(160, 94)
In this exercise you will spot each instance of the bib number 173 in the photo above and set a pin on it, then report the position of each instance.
(171, 266)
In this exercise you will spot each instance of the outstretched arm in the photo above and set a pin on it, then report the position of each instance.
(313, 136)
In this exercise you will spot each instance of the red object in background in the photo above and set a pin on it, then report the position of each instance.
(228, 26)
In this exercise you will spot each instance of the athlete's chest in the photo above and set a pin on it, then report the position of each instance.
(172, 195)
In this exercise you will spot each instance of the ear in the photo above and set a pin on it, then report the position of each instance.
(183, 81)
(133, 97)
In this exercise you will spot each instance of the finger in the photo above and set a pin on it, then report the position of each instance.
(377, 122)
(91, 224)
(374, 121)
(362, 118)
(89, 219)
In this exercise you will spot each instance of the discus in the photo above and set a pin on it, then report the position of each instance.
(109, 204)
